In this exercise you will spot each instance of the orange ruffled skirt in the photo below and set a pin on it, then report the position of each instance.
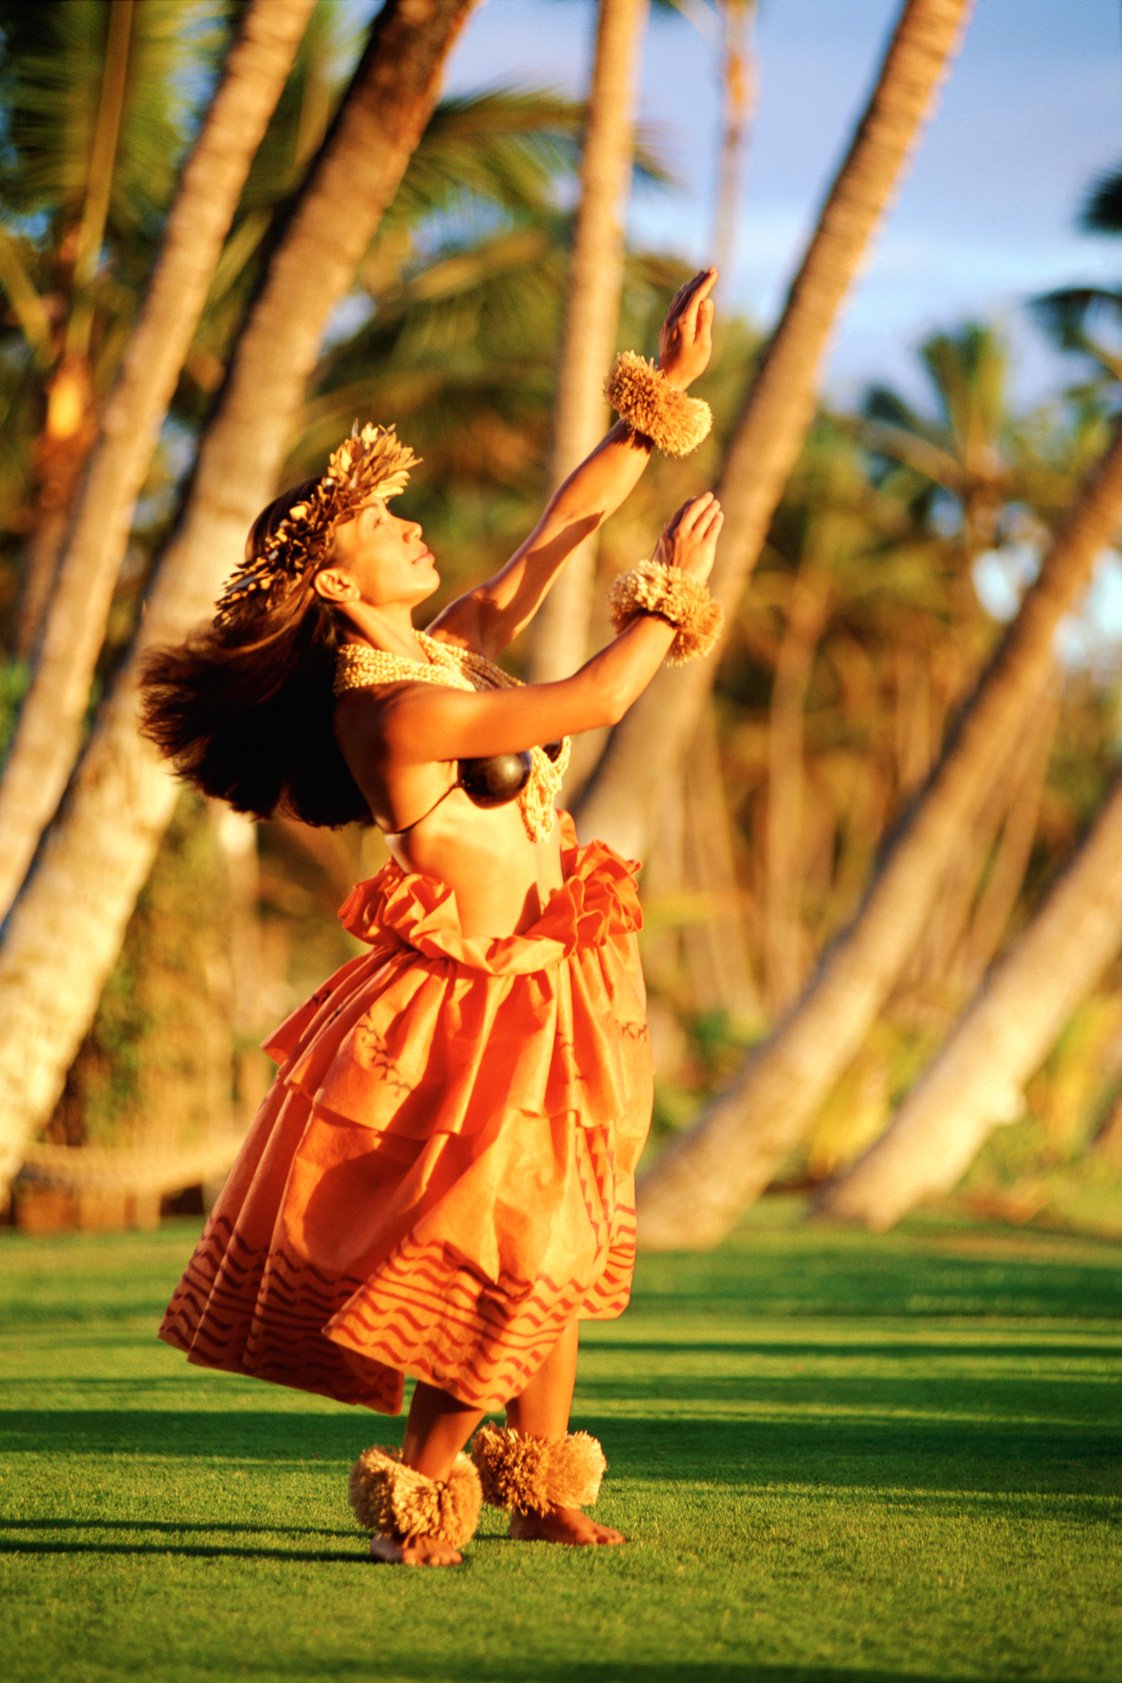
(441, 1176)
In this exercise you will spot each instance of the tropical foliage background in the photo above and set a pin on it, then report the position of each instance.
(900, 546)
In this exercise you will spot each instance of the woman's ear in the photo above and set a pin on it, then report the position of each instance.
(334, 584)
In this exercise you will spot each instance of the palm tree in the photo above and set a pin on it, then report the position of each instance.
(976, 1081)
(96, 116)
(1076, 315)
(780, 404)
(560, 633)
(703, 1182)
(971, 466)
(52, 967)
(50, 721)
(738, 80)
(512, 144)
(963, 448)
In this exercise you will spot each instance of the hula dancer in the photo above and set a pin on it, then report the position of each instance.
(439, 1182)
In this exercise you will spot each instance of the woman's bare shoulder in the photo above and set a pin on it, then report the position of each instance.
(366, 711)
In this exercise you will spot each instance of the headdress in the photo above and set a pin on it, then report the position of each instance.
(370, 463)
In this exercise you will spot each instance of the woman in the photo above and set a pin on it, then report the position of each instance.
(440, 1181)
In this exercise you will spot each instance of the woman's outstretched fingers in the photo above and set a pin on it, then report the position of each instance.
(686, 517)
(696, 510)
(699, 310)
(685, 338)
(689, 538)
(699, 287)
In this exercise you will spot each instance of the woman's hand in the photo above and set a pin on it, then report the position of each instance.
(689, 540)
(685, 339)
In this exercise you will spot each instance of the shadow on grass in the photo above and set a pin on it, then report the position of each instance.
(871, 1451)
(199, 1551)
(865, 1281)
(499, 1669)
(906, 1347)
(1010, 1404)
(174, 1528)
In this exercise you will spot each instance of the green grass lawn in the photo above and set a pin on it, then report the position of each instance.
(837, 1457)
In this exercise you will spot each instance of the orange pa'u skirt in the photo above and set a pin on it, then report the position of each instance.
(441, 1176)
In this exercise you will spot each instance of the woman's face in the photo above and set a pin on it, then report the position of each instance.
(386, 556)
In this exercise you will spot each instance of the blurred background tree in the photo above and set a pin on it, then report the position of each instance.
(901, 547)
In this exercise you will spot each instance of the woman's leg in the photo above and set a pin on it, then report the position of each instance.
(542, 1411)
(437, 1429)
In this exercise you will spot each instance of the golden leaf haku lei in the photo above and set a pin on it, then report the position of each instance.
(371, 463)
(358, 665)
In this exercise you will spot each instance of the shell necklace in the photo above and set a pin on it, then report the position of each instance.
(357, 665)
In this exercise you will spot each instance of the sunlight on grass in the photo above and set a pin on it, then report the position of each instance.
(836, 1456)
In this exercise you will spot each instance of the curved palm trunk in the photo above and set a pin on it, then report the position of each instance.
(994, 906)
(65, 930)
(704, 1181)
(980, 885)
(620, 797)
(50, 721)
(59, 459)
(976, 1080)
(784, 838)
(715, 946)
(561, 626)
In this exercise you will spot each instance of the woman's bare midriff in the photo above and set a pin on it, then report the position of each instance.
(500, 876)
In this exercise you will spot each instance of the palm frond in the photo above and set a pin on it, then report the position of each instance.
(504, 146)
(1072, 313)
(52, 69)
(326, 57)
(1101, 212)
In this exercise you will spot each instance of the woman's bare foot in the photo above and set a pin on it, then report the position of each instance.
(414, 1551)
(562, 1525)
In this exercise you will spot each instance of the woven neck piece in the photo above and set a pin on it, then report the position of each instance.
(358, 666)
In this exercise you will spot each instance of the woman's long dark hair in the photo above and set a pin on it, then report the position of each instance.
(243, 709)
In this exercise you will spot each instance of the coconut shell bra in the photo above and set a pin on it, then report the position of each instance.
(532, 777)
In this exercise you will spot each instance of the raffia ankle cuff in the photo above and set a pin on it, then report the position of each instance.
(654, 587)
(530, 1475)
(642, 396)
(398, 1501)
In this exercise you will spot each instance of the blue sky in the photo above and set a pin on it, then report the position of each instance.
(986, 215)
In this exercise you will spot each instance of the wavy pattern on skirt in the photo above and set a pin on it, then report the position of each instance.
(442, 1175)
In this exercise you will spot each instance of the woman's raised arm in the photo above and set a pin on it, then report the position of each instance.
(491, 616)
(418, 722)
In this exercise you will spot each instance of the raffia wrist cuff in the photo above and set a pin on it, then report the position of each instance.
(642, 396)
(531, 1475)
(654, 587)
(398, 1501)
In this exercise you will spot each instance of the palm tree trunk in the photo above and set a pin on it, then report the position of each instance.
(50, 722)
(995, 904)
(561, 626)
(65, 930)
(739, 86)
(115, 68)
(707, 1177)
(715, 948)
(994, 838)
(784, 840)
(619, 798)
(976, 1080)
(38, 567)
